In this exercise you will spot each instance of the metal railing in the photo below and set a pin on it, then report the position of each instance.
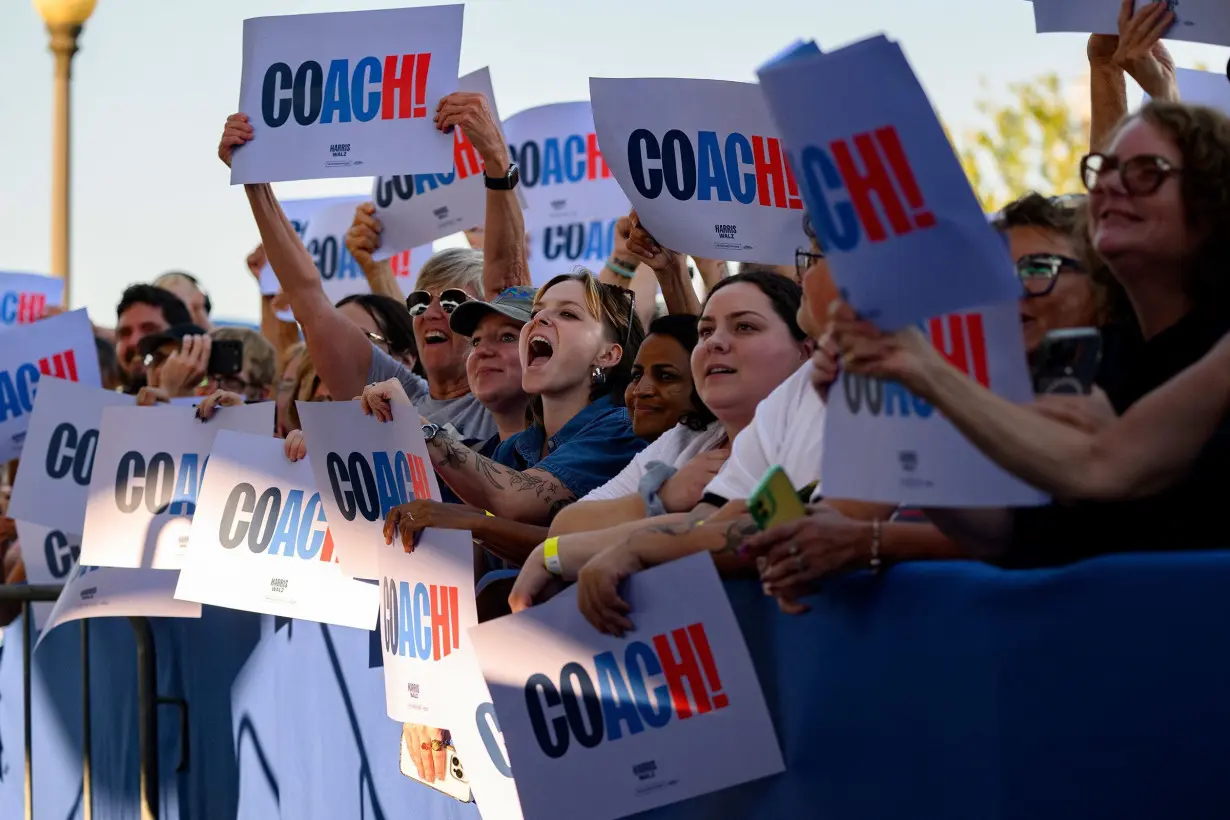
(148, 702)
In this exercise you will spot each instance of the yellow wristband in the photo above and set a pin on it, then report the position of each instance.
(488, 513)
(550, 556)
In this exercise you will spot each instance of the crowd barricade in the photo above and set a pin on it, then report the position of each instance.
(947, 689)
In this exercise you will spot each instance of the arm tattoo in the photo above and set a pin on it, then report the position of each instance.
(524, 482)
(739, 531)
(490, 471)
(455, 455)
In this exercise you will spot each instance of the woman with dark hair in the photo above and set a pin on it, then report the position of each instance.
(387, 325)
(662, 392)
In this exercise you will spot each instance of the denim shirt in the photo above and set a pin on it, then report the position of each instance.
(587, 452)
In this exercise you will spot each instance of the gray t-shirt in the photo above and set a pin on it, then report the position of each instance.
(465, 413)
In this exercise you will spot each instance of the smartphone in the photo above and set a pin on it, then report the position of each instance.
(1067, 361)
(454, 784)
(775, 501)
(225, 357)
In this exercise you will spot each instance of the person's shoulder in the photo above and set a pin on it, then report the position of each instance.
(793, 394)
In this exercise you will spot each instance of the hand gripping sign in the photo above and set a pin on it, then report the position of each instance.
(602, 727)
(260, 543)
(702, 165)
(364, 469)
(904, 234)
(418, 209)
(62, 347)
(882, 443)
(347, 94)
(147, 474)
(563, 173)
(25, 296)
(1196, 21)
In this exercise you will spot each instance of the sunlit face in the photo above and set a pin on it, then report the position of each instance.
(819, 290)
(661, 388)
(1151, 226)
(494, 365)
(1070, 302)
(441, 351)
(564, 342)
(745, 351)
(137, 322)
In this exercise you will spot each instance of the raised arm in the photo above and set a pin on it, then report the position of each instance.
(670, 268)
(1137, 51)
(504, 249)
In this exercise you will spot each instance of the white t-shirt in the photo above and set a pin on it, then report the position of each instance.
(787, 431)
(677, 446)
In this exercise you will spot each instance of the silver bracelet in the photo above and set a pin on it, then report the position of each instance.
(876, 533)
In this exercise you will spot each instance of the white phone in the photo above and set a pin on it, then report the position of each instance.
(454, 784)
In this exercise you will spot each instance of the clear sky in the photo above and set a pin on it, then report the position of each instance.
(155, 79)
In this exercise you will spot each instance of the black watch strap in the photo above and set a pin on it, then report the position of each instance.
(506, 182)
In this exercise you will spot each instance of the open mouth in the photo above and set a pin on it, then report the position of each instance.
(720, 370)
(540, 351)
(435, 337)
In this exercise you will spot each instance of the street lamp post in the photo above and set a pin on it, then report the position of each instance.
(64, 19)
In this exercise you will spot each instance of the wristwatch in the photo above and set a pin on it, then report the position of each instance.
(430, 431)
(506, 182)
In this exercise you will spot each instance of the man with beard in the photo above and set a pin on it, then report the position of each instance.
(143, 310)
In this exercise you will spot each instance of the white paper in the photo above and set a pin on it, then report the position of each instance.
(1197, 21)
(426, 609)
(884, 444)
(147, 474)
(110, 592)
(563, 173)
(625, 764)
(416, 210)
(300, 212)
(53, 483)
(365, 468)
(260, 543)
(702, 164)
(62, 347)
(1205, 88)
(25, 296)
(561, 247)
(479, 744)
(49, 556)
(348, 119)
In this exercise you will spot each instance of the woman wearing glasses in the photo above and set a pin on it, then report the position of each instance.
(1157, 240)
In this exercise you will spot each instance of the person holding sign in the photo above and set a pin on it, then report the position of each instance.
(1139, 52)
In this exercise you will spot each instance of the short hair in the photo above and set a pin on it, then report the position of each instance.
(259, 356)
(784, 294)
(1033, 210)
(173, 310)
(682, 327)
(452, 268)
(192, 280)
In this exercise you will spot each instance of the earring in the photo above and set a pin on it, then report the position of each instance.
(599, 377)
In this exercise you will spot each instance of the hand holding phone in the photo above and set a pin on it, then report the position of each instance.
(454, 783)
(1067, 361)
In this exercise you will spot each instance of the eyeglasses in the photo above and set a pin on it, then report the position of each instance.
(1140, 175)
(418, 301)
(377, 339)
(1039, 271)
(803, 260)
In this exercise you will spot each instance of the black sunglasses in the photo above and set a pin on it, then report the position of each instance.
(1140, 175)
(418, 301)
(803, 260)
(1039, 271)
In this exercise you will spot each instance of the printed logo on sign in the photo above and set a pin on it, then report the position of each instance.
(88, 593)
(278, 585)
(645, 771)
(17, 388)
(736, 169)
(289, 528)
(559, 160)
(579, 241)
(856, 181)
(22, 308)
(413, 690)
(421, 622)
(441, 213)
(371, 488)
(558, 204)
(909, 460)
(340, 149)
(161, 485)
(574, 709)
(726, 231)
(395, 88)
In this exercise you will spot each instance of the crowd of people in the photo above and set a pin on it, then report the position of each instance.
(583, 433)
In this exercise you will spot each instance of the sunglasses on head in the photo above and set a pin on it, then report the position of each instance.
(1039, 271)
(418, 301)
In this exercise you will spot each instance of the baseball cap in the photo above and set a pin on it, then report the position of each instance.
(175, 333)
(515, 303)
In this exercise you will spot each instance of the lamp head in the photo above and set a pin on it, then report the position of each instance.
(65, 12)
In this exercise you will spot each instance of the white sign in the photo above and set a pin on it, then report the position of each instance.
(53, 483)
(426, 608)
(560, 247)
(347, 94)
(416, 210)
(1205, 88)
(882, 443)
(25, 296)
(365, 468)
(110, 592)
(62, 347)
(703, 166)
(49, 556)
(299, 212)
(260, 543)
(147, 473)
(563, 173)
(479, 744)
(602, 727)
(1197, 21)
